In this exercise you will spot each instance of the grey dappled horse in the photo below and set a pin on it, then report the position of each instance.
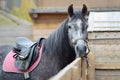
(65, 44)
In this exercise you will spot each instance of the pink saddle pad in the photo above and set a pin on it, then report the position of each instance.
(8, 64)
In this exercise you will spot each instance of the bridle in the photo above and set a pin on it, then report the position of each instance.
(85, 56)
(85, 40)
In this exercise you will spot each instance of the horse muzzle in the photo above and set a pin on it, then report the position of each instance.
(81, 48)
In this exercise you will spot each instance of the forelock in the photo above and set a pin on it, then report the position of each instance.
(78, 22)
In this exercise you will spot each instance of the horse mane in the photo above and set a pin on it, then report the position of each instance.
(58, 43)
(55, 41)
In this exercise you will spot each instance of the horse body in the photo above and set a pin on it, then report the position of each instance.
(58, 51)
(56, 55)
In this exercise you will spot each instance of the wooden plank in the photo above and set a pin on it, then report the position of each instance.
(108, 59)
(104, 9)
(93, 42)
(67, 76)
(64, 10)
(70, 72)
(83, 69)
(47, 10)
(107, 74)
(91, 68)
(107, 65)
(88, 73)
(104, 35)
(76, 71)
(106, 51)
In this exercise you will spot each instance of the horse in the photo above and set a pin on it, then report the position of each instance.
(62, 46)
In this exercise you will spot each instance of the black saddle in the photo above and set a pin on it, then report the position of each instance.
(26, 52)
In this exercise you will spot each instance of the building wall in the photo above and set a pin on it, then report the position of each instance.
(78, 3)
(18, 7)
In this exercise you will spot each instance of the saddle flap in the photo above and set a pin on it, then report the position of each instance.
(24, 53)
(25, 58)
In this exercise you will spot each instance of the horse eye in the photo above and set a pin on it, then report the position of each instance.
(69, 27)
(86, 26)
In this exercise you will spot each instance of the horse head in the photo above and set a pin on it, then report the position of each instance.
(77, 30)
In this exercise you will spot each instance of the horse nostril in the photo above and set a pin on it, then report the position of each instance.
(77, 48)
(81, 48)
(85, 48)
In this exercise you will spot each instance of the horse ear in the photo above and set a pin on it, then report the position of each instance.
(70, 10)
(85, 11)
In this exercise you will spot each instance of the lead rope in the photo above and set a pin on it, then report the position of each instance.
(87, 61)
(86, 58)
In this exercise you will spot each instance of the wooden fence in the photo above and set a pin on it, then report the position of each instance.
(8, 34)
(78, 70)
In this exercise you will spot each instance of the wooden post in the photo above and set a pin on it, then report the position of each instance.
(76, 70)
(88, 73)
(91, 68)
(83, 69)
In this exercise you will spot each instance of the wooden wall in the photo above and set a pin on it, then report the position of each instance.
(45, 23)
(105, 43)
(49, 20)
(106, 47)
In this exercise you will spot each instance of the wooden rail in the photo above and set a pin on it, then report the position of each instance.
(77, 70)
(8, 34)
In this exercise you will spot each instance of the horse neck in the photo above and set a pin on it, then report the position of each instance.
(58, 45)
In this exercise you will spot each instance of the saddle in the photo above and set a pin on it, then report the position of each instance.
(26, 52)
